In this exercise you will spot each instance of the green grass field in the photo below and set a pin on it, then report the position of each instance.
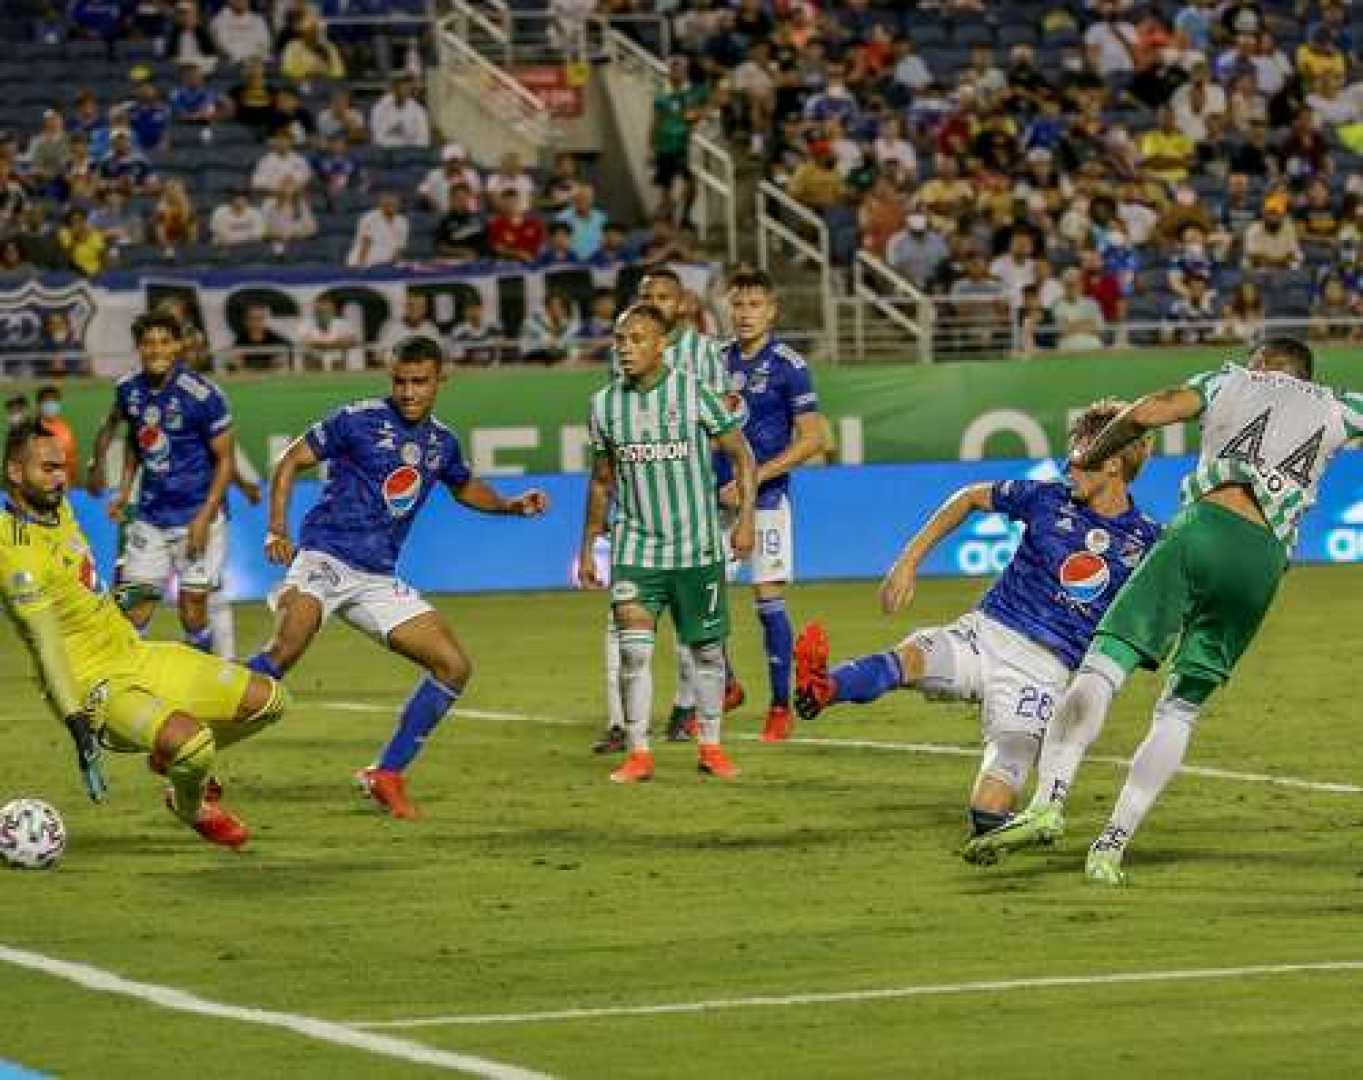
(533, 885)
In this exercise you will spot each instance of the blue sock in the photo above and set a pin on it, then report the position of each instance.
(430, 701)
(200, 639)
(867, 677)
(261, 664)
(778, 638)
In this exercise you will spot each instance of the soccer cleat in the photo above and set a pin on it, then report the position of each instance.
(612, 741)
(212, 793)
(714, 761)
(638, 767)
(682, 725)
(1104, 867)
(734, 695)
(219, 827)
(1031, 828)
(389, 790)
(780, 724)
(813, 688)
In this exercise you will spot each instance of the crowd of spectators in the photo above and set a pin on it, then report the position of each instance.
(1069, 167)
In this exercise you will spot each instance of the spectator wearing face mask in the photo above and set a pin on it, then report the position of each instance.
(49, 399)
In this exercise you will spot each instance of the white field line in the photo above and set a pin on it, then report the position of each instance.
(167, 997)
(892, 994)
(937, 749)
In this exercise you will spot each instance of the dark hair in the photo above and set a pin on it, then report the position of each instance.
(752, 279)
(645, 311)
(1094, 419)
(19, 436)
(50, 390)
(417, 349)
(16, 401)
(155, 320)
(1287, 354)
(662, 273)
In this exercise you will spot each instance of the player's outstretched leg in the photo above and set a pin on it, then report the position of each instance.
(861, 680)
(194, 619)
(298, 617)
(612, 740)
(222, 625)
(186, 750)
(425, 640)
(1155, 762)
(777, 641)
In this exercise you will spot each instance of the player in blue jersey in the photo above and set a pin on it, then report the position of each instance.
(180, 432)
(1014, 654)
(386, 456)
(785, 430)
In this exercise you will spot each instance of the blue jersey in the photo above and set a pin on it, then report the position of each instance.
(776, 388)
(1067, 569)
(382, 470)
(172, 434)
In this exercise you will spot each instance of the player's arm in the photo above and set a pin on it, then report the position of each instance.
(132, 461)
(1157, 410)
(95, 480)
(244, 474)
(600, 489)
(735, 447)
(300, 455)
(223, 448)
(42, 630)
(808, 440)
(477, 494)
(900, 581)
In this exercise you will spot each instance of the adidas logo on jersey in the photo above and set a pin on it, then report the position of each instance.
(633, 453)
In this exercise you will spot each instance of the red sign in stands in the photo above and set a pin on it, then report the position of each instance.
(556, 86)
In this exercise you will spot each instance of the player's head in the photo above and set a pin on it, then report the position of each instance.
(661, 288)
(1117, 471)
(35, 467)
(640, 338)
(416, 368)
(1284, 354)
(752, 305)
(157, 336)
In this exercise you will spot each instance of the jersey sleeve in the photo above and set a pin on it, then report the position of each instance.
(715, 418)
(456, 472)
(1017, 498)
(596, 436)
(329, 437)
(1207, 384)
(800, 388)
(216, 412)
(1351, 411)
(22, 574)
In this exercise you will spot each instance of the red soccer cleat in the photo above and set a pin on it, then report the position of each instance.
(219, 827)
(389, 790)
(734, 695)
(814, 688)
(637, 769)
(780, 724)
(715, 762)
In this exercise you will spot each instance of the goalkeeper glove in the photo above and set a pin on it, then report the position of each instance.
(88, 756)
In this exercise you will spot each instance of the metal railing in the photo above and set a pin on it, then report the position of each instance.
(878, 285)
(472, 74)
(782, 220)
(712, 166)
(488, 22)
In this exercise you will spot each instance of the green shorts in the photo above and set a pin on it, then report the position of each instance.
(697, 597)
(1200, 594)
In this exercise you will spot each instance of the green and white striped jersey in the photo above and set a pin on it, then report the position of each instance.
(1274, 434)
(666, 510)
(697, 354)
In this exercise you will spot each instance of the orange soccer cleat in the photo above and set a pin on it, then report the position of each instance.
(734, 694)
(219, 827)
(637, 769)
(780, 724)
(389, 790)
(813, 687)
(715, 762)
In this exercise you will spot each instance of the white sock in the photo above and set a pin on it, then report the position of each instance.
(615, 700)
(686, 678)
(708, 660)
(1077, 722)
(222, 624)
(1152, 767)
(636, 679)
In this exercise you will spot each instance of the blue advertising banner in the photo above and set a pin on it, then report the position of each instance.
(850, 522)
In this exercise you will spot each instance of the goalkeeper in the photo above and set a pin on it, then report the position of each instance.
(112, 690)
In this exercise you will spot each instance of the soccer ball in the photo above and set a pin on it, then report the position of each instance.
(32, 835)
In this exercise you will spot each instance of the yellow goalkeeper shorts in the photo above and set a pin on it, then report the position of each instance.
(161, 678)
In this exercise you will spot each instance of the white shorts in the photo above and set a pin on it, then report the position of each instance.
(773, 550)
(152, 552)
(1016, 682)
(374, 604)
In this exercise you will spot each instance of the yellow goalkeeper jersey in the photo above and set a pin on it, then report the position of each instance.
(52, 592)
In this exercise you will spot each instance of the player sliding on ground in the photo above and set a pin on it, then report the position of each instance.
(386, 456)
(171, 702)
(1268, 433)
(650, 434)
(1014, 653)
